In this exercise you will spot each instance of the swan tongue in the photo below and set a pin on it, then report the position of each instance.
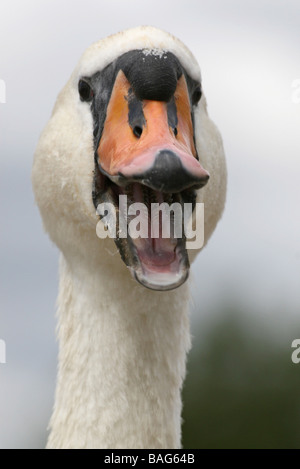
(166, 277)
(162, 261)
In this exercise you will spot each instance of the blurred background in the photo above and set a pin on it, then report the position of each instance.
(242, 389)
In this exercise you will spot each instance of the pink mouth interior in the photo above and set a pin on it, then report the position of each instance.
(160, 258)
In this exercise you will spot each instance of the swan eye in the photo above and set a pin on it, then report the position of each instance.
(197, 95)
(85, 91)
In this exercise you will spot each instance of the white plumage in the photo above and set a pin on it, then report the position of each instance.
(122, 347)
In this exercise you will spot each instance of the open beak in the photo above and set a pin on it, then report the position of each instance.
(147, 152)
(155, 146)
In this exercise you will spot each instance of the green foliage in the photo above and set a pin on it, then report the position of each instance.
(241, 391)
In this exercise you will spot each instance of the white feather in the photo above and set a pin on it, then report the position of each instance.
(122, 347)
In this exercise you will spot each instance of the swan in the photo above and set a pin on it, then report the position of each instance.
(131, 120)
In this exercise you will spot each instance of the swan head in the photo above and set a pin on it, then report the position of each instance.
(130, 129)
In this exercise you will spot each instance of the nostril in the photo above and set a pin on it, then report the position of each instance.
(137, 130)
(175, 131)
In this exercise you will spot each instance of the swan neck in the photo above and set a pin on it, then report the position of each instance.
(122, 356)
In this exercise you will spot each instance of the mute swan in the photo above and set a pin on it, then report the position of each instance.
(131, 118)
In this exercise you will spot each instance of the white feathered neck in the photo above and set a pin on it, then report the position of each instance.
(122, 347)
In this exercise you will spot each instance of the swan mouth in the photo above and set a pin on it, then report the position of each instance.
(158, 263)
(145, 154)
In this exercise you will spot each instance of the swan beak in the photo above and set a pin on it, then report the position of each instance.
(146, 151)
(151, 142)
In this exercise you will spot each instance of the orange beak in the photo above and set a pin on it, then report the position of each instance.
(156, 152)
